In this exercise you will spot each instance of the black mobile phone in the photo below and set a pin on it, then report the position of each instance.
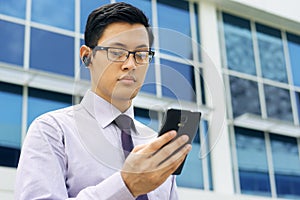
(184, 122)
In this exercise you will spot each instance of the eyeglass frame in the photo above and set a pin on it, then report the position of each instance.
(151, 53)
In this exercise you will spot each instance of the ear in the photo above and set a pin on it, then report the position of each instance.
(85, 55)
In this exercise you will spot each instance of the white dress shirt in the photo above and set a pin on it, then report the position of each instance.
(76, 153)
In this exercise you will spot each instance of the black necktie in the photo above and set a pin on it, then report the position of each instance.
(124, 123)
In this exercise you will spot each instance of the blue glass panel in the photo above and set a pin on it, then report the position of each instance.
(15, 8)
(278, 103)
(54, 13)
(12, 43)
(238, 44)
(252, 161)
(244, 96)
(286, 164)
(149, 85)
(256, 183)
(172, 30)
(41, 101)
(86, 8)
(147, 117)
(177, 80)
(271, 53)
(52, 52)
(294, 52)
(11, 115)
(287, 186)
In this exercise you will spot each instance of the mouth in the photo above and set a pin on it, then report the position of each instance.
(127, 79)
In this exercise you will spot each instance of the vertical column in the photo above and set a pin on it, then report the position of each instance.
(221, 163)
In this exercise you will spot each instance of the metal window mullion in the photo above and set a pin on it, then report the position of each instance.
(290, 78)
(203, 155)
(194, 42)
(77, 42)
(157, 53)
(260, 83)
(270, 165)
(24, 113)
(26, 60)
(235, 160)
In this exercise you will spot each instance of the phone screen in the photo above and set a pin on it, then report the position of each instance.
(184, 122)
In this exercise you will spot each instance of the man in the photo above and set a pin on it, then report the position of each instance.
(78, 152)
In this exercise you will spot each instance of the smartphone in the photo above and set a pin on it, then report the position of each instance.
(185, 122)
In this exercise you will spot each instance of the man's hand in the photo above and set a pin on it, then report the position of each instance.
(146, 167)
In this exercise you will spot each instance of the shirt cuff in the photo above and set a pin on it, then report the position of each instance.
(115, 188)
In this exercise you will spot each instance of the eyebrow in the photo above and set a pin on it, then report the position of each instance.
(125, 46)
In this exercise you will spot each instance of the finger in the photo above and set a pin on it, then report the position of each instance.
(139, 147)
(173, 162)
(159, 142)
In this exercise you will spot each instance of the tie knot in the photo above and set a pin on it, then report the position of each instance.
(123, 122)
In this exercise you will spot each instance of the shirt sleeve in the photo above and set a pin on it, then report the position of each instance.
(41, 172)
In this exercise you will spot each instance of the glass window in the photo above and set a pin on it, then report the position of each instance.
(178, 80)
(149, 85)
(147, 117)
(86, 8)
(192, 172)
(238, 44)
(271, 53)
(172, 17)
(244, 96)
(278, 103)
(41, 101)
(11, 115)
(294, 52)
(12, 43)
(54, 13)
(9, 157)
(252, 162)
(52, 52)
(15, 8)
(286, 163)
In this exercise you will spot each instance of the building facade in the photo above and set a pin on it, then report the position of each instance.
(237, 61)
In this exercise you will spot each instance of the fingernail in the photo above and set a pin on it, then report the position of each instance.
(188, 147)
(184, 138)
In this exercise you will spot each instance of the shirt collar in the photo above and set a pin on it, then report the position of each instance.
(103, 111)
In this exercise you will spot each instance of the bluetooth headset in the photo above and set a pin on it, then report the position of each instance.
(86, 60)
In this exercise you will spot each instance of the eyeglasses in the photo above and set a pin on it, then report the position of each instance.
(121, 55)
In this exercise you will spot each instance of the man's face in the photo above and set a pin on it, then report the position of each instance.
(119, 81)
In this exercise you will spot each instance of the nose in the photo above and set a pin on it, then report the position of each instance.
(130, 63)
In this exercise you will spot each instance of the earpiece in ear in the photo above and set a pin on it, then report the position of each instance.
(86, 60)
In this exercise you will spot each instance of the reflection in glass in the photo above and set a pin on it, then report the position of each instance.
(238, 43)
(52, 52)
(41, 101)
(294, 52)
(54, 13)
(14, 8)
(271, 53)
(278, 103)
(147, 117)
(178, 80)
(252, 162)
(286, 164)
(244, 96)
(11, 115)
(12, 43)
(172, 30)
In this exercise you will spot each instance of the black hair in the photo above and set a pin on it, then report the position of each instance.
(101, 17)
